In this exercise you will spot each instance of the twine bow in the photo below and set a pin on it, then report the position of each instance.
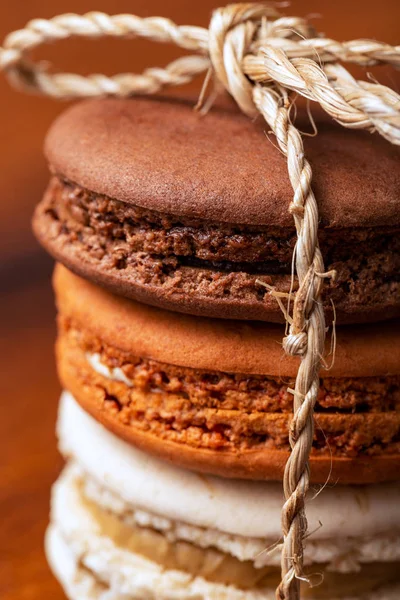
(260, 57)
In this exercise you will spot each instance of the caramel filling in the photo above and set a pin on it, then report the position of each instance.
(219, 567)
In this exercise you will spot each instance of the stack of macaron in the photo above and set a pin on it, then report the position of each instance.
(175, 415)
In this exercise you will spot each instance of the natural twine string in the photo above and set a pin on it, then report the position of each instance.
(259, 57)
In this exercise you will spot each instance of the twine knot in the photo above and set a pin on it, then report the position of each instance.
(295, 344)
(232, 31)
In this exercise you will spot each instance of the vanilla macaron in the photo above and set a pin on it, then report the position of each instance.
(126, 525)
(212, 395)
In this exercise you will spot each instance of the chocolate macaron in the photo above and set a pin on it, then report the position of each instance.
(156, 203)
(212, 395)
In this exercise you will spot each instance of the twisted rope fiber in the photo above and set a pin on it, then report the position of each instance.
(260, 57)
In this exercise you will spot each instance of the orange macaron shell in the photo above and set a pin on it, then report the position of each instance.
(192, 391)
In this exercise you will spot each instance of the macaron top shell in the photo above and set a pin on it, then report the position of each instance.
(218, 345)
(162, 155)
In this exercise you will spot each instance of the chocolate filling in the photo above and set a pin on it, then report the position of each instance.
(220, 245)
(272, 267)
(218, 260)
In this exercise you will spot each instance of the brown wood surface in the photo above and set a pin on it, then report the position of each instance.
(29, 460)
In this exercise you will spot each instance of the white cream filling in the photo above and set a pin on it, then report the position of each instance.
(75, 533)
(239, 547)
(115, 374)
(90, 566)
(81, 584)
(343, 555)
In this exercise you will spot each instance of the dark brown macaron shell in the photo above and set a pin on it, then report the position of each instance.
(184, 212)
(211, 395)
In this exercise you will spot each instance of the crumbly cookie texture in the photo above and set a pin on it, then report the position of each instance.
(196, 258)
(222, 411)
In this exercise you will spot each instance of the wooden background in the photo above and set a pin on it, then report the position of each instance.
(29, 460)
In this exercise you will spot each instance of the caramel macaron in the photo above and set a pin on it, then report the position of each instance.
(189, 213)
(212, 395)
